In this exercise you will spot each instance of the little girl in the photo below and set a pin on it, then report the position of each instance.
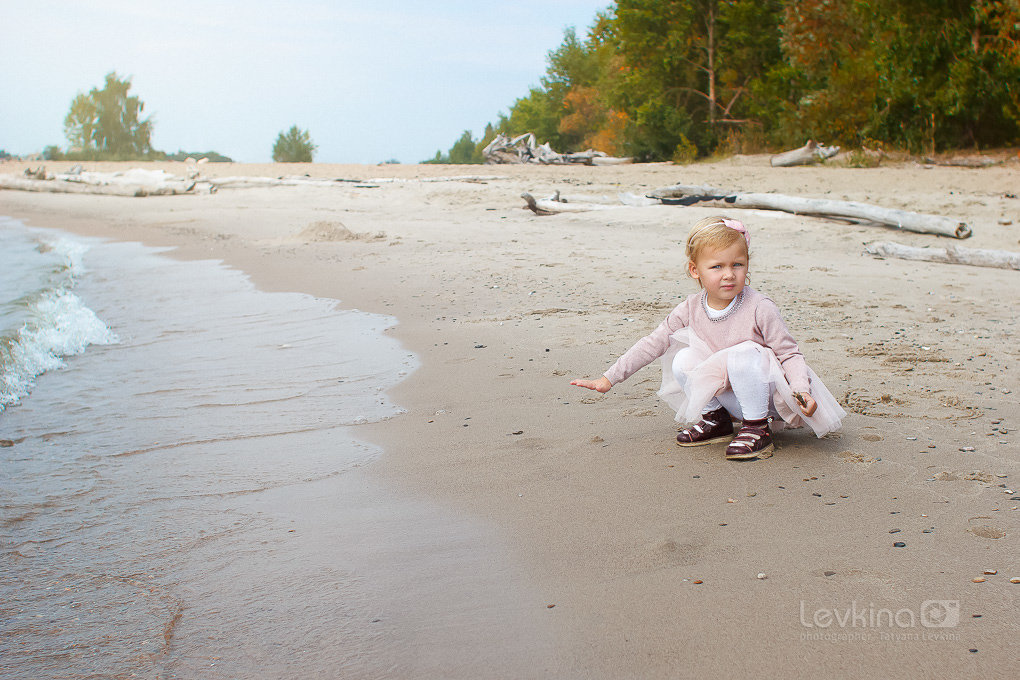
(726, 354)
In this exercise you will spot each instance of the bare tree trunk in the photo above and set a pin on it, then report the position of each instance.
(711, 62)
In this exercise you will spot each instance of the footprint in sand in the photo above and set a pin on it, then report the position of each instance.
(985, 530)
(852, 457)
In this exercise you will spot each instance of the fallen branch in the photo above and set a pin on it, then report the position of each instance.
(951, 254)
(808, 154)
(686, 194)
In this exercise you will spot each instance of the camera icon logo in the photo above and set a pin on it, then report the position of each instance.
(940, 613)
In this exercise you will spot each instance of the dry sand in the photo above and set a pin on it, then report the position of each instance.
(650, 553)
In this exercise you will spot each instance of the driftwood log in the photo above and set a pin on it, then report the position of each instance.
(812, 152)
(57, 186)
(966, 162)
(555, 204)
(525, 149)
(686, 194)
(951, 254)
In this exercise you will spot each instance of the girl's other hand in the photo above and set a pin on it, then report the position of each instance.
(807, 404)
(601, 385)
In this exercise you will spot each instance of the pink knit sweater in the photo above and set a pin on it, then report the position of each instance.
(756, 318)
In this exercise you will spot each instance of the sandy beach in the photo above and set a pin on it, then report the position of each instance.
(596, 547)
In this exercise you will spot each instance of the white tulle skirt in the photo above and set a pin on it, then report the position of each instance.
(705, 375)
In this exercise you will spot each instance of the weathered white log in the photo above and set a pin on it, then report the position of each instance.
(966, 162)
(65, 187)
(951, 254)
(810, 153)
(475, 179)
(242, 181)
(525, 149)
(611, 160)
(555, 204)
(686, 194)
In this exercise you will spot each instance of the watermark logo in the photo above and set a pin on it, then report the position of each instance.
(932, 614)
(940, 613)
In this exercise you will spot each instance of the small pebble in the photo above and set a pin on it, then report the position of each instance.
(894, 531)
(830, 573)
(730, 500)
(761, 574)
(1015, 579)
(899, 544)
(699, 581)
(967, 448)
(549, 606)
(979, 579)
(973, 651)
(991, 572)
(817, 494)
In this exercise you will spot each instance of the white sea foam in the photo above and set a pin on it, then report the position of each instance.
(55, 324)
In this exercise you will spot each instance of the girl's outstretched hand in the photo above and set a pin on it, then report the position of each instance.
(601, 385)
(807, 404)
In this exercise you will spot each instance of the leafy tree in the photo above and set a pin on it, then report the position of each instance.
(924, 74)
(105, 122)
(675, 79)
(294, 146)
(690, 65)
(463, 150)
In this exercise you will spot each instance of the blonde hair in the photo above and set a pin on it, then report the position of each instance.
(711, 233)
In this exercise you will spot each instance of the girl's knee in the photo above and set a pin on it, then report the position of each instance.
(747, 355)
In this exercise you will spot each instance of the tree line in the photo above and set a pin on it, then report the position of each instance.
(106, 124)
(678, 79)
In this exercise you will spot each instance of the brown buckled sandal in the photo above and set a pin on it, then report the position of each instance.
(754, 439)
(714, 426)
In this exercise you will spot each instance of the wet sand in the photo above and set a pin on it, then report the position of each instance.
(649, 554)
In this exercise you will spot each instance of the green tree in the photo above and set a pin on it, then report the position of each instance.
(689, 67)
(294, 146)
(463, 150)
(105, 122)
(922, 74)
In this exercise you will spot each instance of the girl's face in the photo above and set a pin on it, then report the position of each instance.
(722, 273)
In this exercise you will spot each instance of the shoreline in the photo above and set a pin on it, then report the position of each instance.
(613, 523)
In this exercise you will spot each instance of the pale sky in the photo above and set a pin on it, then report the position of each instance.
(371, 81)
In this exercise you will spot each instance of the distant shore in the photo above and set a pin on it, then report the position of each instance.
(639, 558)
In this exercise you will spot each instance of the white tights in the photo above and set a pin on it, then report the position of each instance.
(749, 397)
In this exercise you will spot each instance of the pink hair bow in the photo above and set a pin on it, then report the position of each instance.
(737, 225)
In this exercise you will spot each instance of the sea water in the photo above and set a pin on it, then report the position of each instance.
(156, 417)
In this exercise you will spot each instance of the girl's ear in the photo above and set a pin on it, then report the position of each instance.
(692, 270)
